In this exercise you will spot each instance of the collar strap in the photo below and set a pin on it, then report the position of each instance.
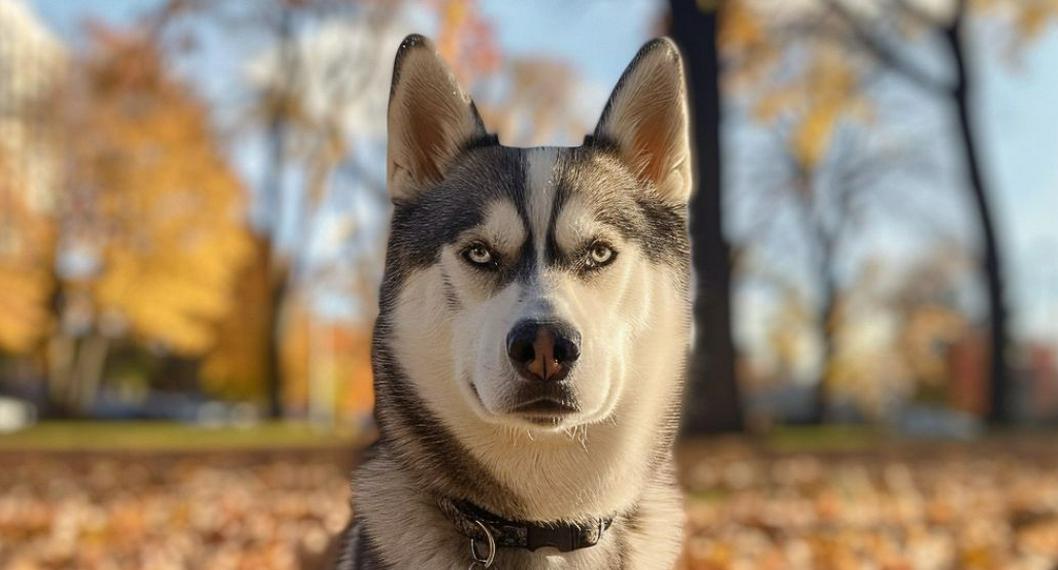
(470, 520)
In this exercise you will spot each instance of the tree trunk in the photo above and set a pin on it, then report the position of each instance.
(91, 365)
(273, 369)
(75, 371)
(61, 350)
(827, 335)
(991, 264)
(277, 267)
(712, 402)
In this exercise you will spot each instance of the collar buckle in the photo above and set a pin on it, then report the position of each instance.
(486, 560)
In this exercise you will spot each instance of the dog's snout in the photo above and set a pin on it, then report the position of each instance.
(543, 351)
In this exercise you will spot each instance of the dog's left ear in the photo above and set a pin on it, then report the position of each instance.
(646, 119)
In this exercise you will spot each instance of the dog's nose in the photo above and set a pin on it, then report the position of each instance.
(543, 351)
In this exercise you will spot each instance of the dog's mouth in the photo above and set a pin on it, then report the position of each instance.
(549, 405)
(545, 411)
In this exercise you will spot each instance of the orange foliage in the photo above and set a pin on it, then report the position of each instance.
(465, 39)
(338, 351)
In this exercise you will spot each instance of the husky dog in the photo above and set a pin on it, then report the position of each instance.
(530, 347)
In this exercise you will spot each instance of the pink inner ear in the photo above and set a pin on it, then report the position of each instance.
(430, 141)
(647, 117)
(650, 143)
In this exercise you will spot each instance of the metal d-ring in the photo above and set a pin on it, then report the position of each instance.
(487, 560)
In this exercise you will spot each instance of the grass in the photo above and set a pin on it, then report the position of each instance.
(173, 436)
(169, 436)
(824, 438)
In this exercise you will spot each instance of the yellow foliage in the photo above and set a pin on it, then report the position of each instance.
(166, 212)
(26, 281)
(819, 98)
(1029, 18)
(816, 98)
(746, 42)
(236, 366)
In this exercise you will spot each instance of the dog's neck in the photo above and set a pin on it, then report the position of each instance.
(398, 505)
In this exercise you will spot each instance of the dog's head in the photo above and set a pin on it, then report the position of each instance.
(537, 287)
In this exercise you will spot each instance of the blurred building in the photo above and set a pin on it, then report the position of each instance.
(31, 64)
(968, 366)
(1038, 383)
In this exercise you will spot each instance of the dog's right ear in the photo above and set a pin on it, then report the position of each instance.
(647, 121)
(430, 119)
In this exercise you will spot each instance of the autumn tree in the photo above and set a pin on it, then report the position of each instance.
(151, 219)
(878, 34)
(882, 40)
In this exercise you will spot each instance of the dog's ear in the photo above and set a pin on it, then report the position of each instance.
(430, 119)
(646, 119)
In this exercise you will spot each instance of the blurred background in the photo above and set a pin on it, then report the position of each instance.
(192, 221)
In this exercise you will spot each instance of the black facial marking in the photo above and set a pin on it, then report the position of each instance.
(619, 201)
(524, 269)
(562, 190)
(451, 297)
(477, 178)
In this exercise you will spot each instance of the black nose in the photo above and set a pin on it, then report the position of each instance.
(543, 351)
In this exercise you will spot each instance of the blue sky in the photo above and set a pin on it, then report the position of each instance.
(1018, 114)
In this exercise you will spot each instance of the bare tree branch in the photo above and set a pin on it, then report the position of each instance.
(916, 13)
(884, 52)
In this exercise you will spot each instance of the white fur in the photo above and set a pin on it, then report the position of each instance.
(541, 184)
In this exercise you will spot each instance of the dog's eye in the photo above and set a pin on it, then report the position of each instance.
(479, 255)
(600, 254)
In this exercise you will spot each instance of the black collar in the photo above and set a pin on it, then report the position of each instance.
(473, 522)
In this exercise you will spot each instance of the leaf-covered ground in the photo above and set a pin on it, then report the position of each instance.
(990, 505)
(750, 505)
(221, 510)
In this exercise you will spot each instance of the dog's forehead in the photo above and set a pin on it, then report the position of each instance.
(539, 183)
